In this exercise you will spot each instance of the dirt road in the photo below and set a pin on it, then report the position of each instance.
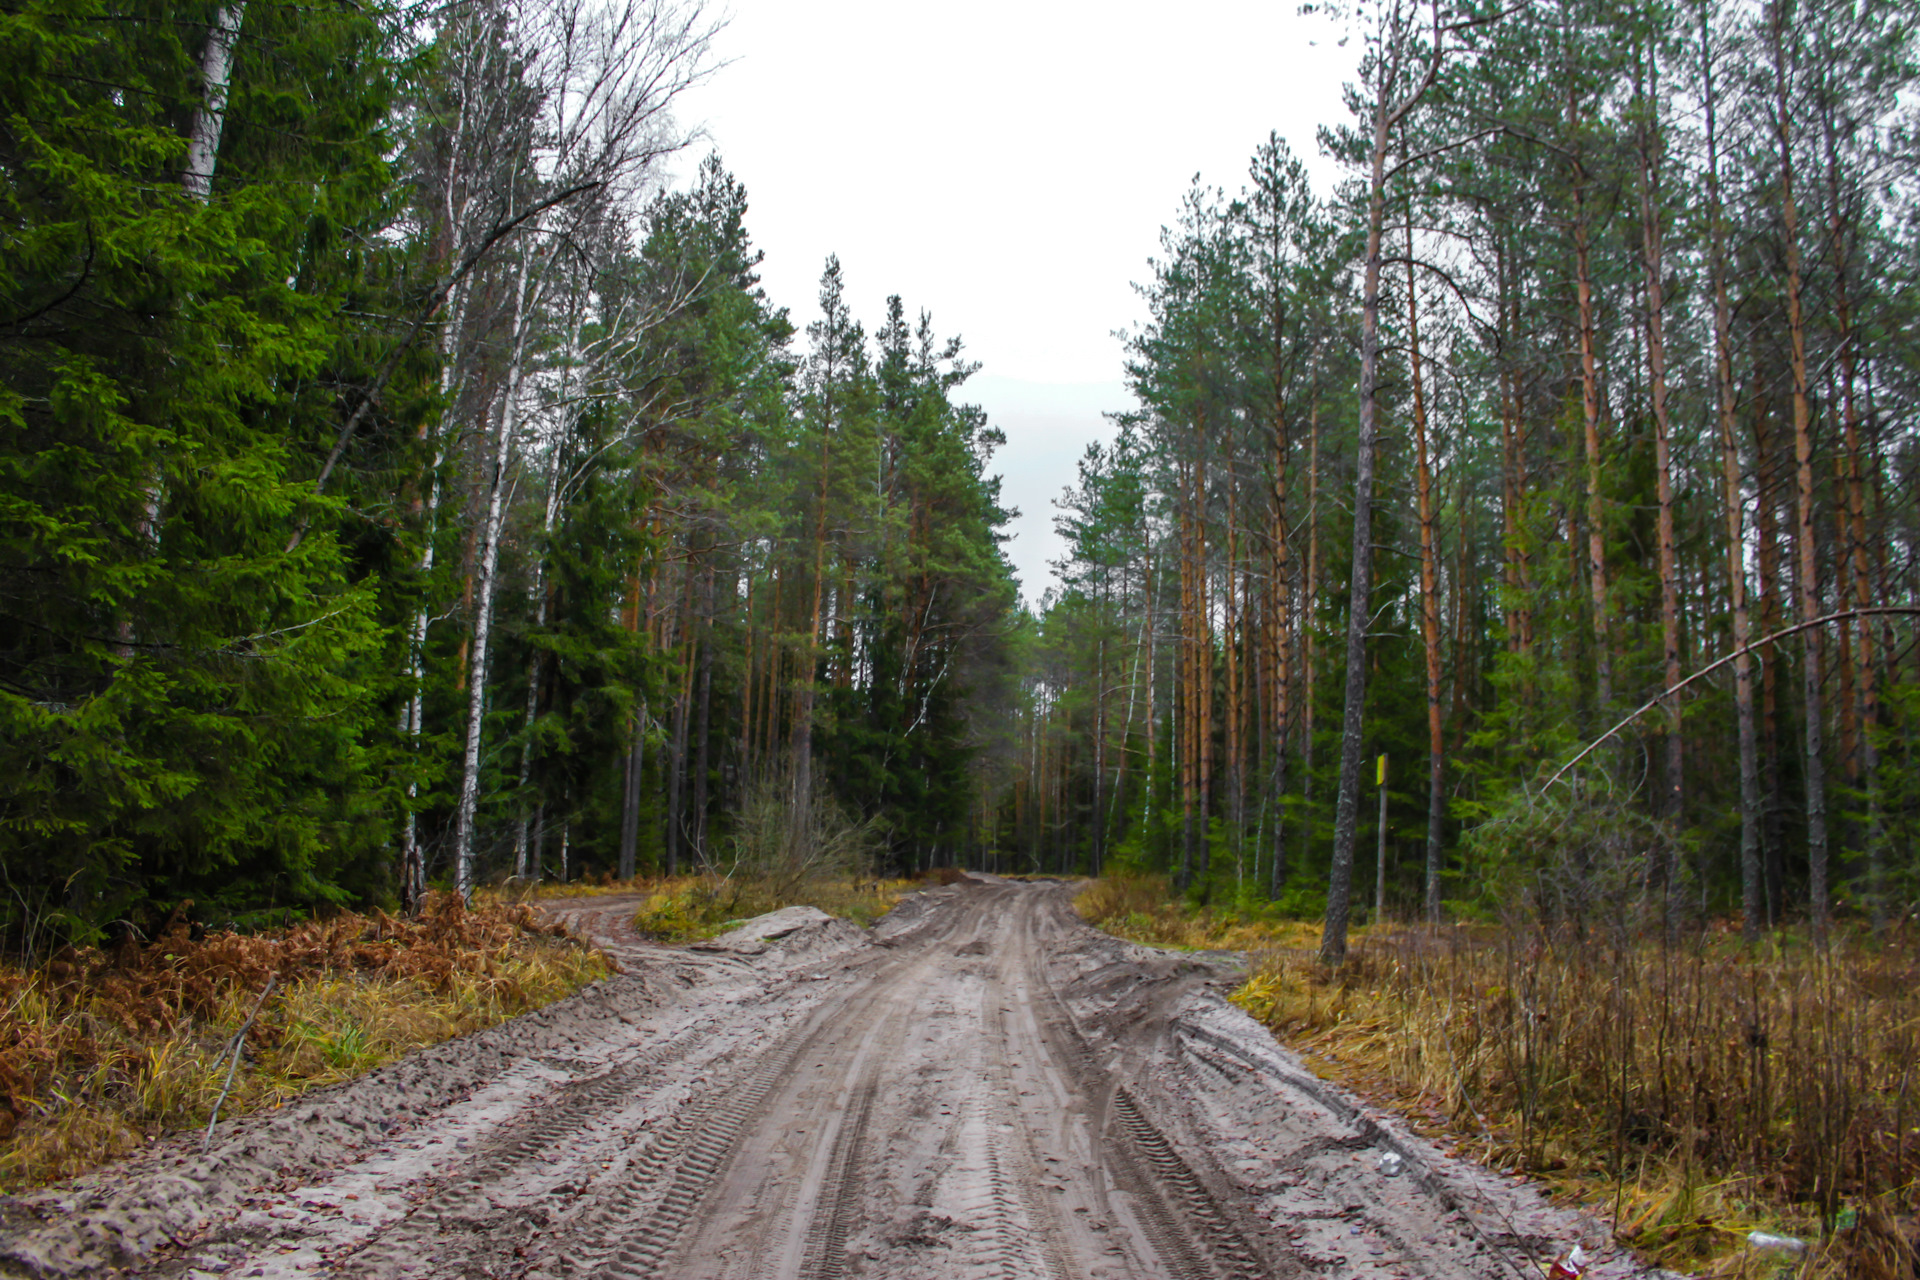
(982, 1087)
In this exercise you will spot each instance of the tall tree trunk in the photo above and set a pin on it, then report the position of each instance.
(1772, 618)
(210, 116)
(1846, 705)
(776, 658)
(1466, 627)
(1752, 884)
(1203, 675)
(1236, 793)
(1117, 826)
(1187, 756)
(1429, 604)
(1099, 814)
(486, 569)
(526, 753)
(1854, 543)
(1309, 636)
(703, 719)
(1806, 580)
(203, 148)
(1515, 606)
(413, 869)
(1280, 589)
(682, 708)
(1151, 634)
(542, 592)
(1590, 420)
(749, 667)
(630, 798)
(1346, 814)
(799, 823)
(638, 617)
(1652, 254)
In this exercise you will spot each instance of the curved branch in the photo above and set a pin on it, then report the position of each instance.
(1899, 610)
(86, 273)
(1445, 279)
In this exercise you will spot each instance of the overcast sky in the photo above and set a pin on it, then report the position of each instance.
(1006, 166)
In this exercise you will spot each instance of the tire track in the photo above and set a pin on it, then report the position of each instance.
(639, 1225)
(913, 1110)
(463, 1199)
(1204, 1230)
(831, 1190)
(1042, 1255)
(632, 1231)
(1193, 1235)
(827, 1233)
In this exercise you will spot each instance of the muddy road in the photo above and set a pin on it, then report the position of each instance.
(980, 1087)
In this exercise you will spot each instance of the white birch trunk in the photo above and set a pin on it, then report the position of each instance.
(413, 717)
(210, 119)
(452, 378)
(484, 585)
(203, 151)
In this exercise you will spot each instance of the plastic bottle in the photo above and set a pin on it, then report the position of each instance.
(1768, 1240)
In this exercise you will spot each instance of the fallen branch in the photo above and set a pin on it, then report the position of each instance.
(239, 1039)
(1869, 611)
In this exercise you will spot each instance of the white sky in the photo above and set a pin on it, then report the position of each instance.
(1006, 166)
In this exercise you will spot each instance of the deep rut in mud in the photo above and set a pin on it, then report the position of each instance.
(983, 1087)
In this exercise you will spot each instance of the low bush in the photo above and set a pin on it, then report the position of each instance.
(771, 861)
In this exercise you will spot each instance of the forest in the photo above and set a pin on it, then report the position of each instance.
(1550, 485)
(407, 483)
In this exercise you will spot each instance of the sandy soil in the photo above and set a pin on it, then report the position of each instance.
(980, 1087)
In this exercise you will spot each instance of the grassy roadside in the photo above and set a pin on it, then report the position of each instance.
(1689, 1093)
(1145, 909)
(693, 907)
(688, 908)
(102, 1052)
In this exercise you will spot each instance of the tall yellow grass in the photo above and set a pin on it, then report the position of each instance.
(1695, 1091)
(1145, 909)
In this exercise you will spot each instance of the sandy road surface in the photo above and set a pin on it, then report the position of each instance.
(982, 1087)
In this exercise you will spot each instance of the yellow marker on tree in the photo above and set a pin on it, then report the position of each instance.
(1380, 861)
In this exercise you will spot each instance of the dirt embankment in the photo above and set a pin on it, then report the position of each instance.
(981, 1086)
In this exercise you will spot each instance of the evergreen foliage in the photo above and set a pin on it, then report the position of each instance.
(1640, 399)
(401, 486)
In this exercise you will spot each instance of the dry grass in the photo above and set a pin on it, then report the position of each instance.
(1694, 1092)
(687, 908)
(511, 891)
(1145, 909)
(104, 1051)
